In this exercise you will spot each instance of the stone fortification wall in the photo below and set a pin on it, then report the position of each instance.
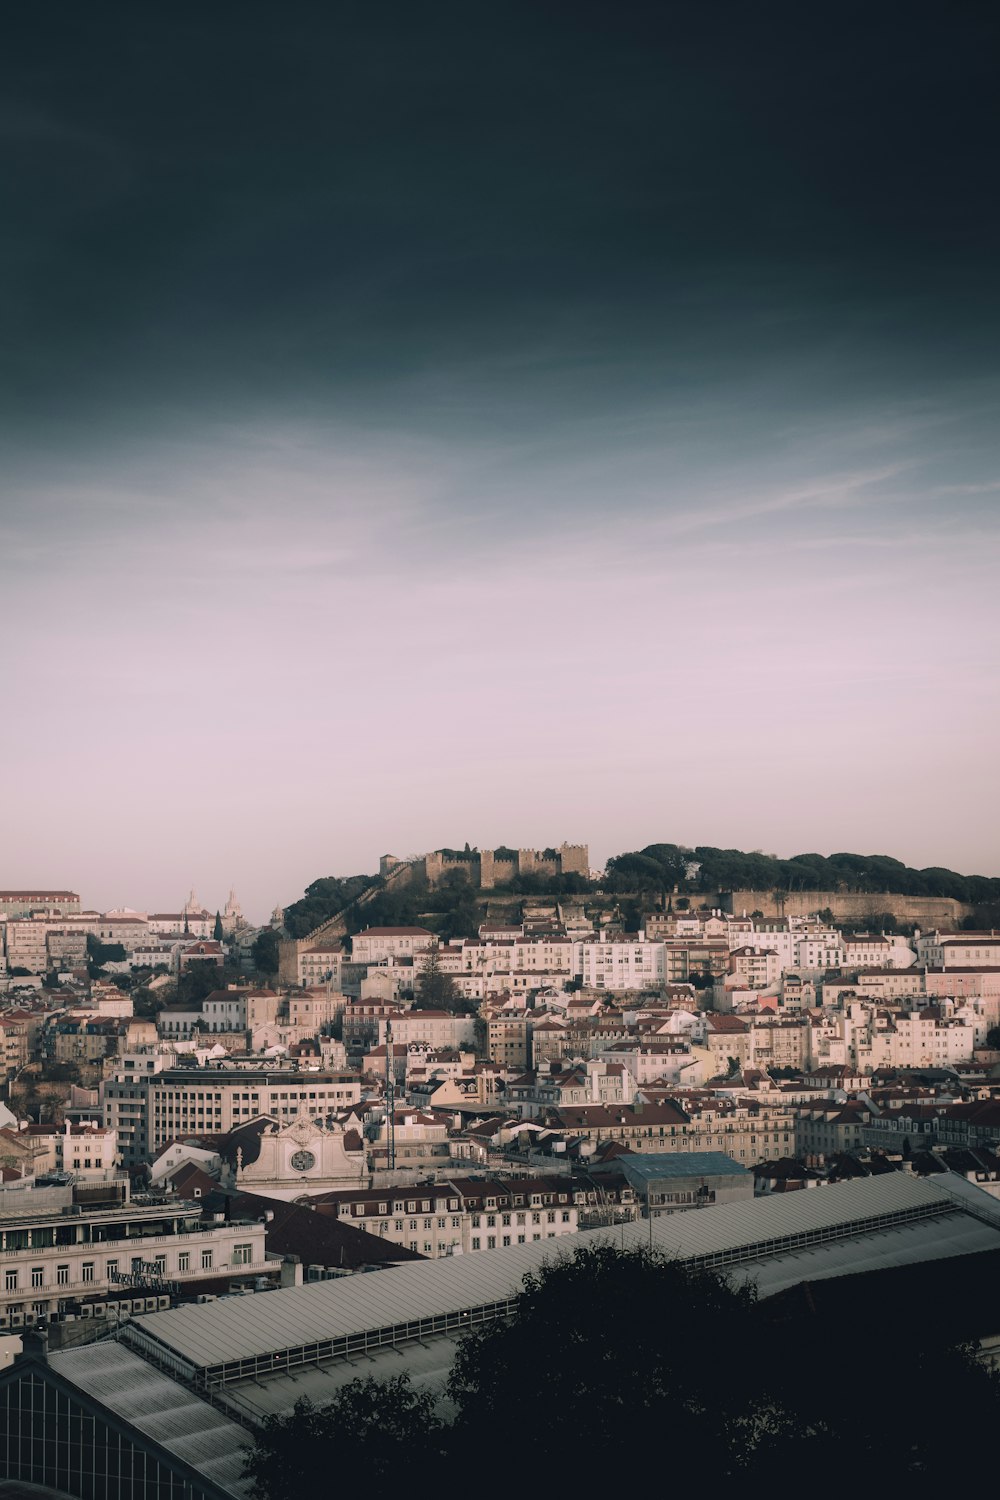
(849, 906)
(488, 868)
(400, 874)
(436, 866)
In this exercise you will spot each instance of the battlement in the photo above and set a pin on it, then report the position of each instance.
(487, 868)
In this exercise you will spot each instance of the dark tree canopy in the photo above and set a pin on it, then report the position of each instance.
(665, 1378)
(323, 900)
(666, 866)
(265, 951)
(104, 953)
(366, 1436)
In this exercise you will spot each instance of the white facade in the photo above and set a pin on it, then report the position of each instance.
(609, 965)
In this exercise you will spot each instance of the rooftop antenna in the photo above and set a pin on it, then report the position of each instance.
(390, 1098)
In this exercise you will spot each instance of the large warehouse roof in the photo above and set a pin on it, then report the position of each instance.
(163, 1409)
(276, 1331)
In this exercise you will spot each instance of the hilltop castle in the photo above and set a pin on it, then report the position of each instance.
(487, 868)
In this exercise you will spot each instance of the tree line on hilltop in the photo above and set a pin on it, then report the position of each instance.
(454, 909)
(666, 867)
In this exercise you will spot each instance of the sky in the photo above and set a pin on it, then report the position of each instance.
(504, 423)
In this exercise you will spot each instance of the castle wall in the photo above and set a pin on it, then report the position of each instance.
(851, 906)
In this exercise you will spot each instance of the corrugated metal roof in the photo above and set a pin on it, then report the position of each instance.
(163, 1409)
(428, 1365)
(679, 1164)
(906, 1244)
(221, 1332)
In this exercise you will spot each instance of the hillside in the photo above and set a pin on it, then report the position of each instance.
(456, 908)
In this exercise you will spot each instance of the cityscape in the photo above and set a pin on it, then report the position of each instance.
(203, 1117)
(499, 727)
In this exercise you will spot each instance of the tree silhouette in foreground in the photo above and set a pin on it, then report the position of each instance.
(656, 1373)
(363, 1438)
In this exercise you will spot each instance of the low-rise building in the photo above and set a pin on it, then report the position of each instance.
(62, 1249)
(462, 1214)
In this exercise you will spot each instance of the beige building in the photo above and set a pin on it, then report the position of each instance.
(376, 945)
(974, 950)
(320, 964)
(149, 1111)
(13, 1045)
(316, 1008)
(439, 1028)
(58, 1253)
(17, 903)
(462, 1215)
(509, 1039)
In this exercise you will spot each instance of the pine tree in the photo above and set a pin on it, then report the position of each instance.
(217, 930)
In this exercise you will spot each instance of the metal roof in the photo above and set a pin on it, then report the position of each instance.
(163, 1409)
(679, 1164)
(904, 1244)
(393, 1302)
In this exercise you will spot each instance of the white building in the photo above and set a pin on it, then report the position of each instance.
(377, 944)
(609, 964)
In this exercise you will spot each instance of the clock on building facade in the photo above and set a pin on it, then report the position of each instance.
(301, 1161)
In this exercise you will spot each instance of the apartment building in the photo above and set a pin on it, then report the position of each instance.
(509, 1038)
(608, 964)
(13, 1044)
(376, 945)
(755, 968)
(917, 1039)
(316, 1008)
(17, 903)
(321, 964)
(63, 1247)
(461, 1215)
(438, 1028)
(979, 950)
(149, 1111)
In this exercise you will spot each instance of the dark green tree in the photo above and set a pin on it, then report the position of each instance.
(436, 990)
(324, 899)
(104, 953)
(622, 1353)
(370, 1433)
(265, 951)
(217, 929)
(198, 980)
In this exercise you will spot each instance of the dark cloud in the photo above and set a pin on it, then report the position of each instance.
(221, 208)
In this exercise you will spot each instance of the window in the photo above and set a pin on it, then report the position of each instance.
(38, 1276)
(10, 1280)
(88, 1271)
(491, 1242)
(62, 1275)
(475, 1242)
(184, 1261)
(206, 1260)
